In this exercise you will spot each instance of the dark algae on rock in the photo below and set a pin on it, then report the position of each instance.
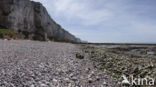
(79, 56)
(31, 20)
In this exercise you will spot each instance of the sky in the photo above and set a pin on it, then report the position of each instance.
(117, 21)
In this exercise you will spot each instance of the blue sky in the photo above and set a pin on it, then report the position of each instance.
(132, 21)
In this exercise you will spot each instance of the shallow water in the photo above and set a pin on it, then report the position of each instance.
(151, 53)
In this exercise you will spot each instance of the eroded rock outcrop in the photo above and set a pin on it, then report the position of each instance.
(31, 20)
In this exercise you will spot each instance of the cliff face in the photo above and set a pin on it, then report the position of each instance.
(31, 20)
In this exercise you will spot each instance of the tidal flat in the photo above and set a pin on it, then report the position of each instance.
(138, 60)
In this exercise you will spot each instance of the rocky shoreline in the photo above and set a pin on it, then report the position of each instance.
(136, 60)
(25, 63)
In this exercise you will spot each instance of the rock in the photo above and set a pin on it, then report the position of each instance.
(71, 75)
(90, 75)
(74, 79)
(90, 80)
(66, 79)
(32, 85)
(5, 39)
(31, 20)
(69, 85)
(104, 83)
(97, 78)
(88, 69)
(54, 80)
(43, 85)
(79, 56)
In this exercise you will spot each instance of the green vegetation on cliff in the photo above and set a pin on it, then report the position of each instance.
(8, 34)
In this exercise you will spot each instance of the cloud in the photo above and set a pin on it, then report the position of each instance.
(106, 20)
(143, 28)
(82, 10)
